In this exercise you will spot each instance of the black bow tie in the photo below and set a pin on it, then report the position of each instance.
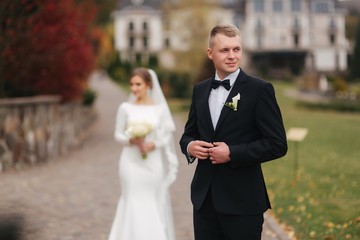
(225, 83)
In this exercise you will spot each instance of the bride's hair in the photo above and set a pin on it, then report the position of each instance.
(144, 74)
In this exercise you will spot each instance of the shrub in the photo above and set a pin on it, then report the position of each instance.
(89, 97)
(119, 71)
(45, 47)
(337, 105)
(179, 84)
(339, 84)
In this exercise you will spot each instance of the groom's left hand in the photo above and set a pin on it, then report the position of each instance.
(220, 153)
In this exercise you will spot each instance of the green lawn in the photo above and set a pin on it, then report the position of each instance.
(325, 201)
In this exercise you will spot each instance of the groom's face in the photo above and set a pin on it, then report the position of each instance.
(226, 53)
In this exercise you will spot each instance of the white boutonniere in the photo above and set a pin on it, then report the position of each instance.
(234, 103)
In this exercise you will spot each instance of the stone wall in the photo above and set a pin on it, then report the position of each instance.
(39, 129)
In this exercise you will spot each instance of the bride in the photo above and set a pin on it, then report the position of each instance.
(148, 162)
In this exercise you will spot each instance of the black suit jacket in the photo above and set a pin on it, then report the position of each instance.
(254, 134)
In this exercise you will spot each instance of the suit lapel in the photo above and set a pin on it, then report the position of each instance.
(204, 109)
(237, 88)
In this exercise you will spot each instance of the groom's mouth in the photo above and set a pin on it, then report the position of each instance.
(231, 64)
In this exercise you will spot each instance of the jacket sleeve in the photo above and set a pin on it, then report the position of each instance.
(272, 142)
(190, 131)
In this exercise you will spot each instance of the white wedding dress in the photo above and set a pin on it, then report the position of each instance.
(144, 208)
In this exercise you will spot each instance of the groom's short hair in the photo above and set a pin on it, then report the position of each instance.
(228, 30)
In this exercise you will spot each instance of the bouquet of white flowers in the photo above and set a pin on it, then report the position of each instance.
(139, 129)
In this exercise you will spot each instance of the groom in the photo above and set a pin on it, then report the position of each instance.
(231, 141)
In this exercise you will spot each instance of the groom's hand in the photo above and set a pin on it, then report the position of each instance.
(199, 149)
(220, 153)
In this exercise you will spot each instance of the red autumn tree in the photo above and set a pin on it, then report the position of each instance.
(45, 47)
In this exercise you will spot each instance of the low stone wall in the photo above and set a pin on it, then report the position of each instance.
(39, 129)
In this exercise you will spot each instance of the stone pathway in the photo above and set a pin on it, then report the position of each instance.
(75, 197)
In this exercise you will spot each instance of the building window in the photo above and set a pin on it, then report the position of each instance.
(145, 42)
(296, 40)
(296, 23)
(296, 5)
(145, 26)
(131, 26)
(259, 24)
(259, 41)
(337, 61)
(167, 43)
(332, 24)
(277, 6)
(332, 38)
(322, 7)
(259, 5)
(131, 42)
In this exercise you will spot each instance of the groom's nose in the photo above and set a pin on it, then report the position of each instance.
(231, 54)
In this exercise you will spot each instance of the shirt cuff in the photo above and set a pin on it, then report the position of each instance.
(187, 148)
(189, 157)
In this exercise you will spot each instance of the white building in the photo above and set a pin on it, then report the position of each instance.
(296, 34)
(279, 35)
(138, 30)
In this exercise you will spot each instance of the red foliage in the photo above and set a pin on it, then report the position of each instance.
(47, 48)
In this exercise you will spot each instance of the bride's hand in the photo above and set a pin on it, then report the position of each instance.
(137, 141)
(146, 147)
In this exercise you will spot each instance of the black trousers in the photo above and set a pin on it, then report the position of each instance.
(211, 225)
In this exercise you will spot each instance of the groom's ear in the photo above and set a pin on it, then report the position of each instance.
(209, 53)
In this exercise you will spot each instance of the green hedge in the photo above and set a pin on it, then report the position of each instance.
(89, 97)
(337, 105)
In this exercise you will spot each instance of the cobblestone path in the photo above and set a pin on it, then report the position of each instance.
(74, 197)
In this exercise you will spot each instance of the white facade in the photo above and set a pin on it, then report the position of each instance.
(138, 30)
(313, 30)
(180, 21)
(275, 30)
(314, 27)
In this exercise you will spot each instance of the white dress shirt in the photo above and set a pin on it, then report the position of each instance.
(218, 97)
